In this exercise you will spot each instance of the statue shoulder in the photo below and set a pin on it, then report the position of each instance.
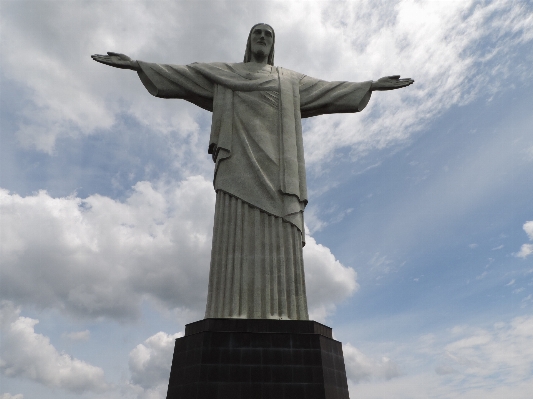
(222, 65)
(291, 74)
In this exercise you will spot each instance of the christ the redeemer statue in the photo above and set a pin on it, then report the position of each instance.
(257, 269)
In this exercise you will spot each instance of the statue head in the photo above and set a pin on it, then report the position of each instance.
(250, 45)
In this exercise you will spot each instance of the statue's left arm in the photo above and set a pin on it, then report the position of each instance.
(318, 97)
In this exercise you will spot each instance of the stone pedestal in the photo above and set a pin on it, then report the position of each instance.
(251, 358)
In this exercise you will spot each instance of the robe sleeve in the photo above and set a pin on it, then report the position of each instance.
(318, 97)
(177, 81)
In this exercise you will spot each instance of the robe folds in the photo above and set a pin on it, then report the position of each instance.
(256, 142)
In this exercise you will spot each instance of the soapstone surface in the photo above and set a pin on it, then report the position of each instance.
(257, 146)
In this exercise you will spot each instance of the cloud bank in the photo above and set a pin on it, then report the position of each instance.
(99, 257)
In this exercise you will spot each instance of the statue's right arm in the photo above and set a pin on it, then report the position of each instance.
(166, 81)
(117, 60)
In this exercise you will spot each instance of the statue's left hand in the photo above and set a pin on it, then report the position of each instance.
(116, 60)
(391, 83)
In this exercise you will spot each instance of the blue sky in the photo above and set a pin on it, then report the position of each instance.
(420, 217)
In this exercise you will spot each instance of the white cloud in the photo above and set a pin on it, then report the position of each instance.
(436, 43)
(503, 355)
(466, 362)
(97, 257)
(381, 265)
(430, 385)
(312, 222)
(528, 228)
(461, 362)
(77, 335)
(150, 363)
(327, 280)
(482, 275)
(360, 367)
(526, 249)
(25, 353)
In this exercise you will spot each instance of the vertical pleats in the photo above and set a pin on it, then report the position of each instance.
(256, 265)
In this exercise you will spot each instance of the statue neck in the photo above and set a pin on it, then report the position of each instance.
(259, 58)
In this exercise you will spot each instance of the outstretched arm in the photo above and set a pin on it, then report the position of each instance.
(318, 97)
(117, 60)
(390, 83)
(166, 81)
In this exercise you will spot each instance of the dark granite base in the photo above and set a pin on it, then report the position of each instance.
(249, 358)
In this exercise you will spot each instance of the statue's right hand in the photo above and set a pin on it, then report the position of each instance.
(116, 60)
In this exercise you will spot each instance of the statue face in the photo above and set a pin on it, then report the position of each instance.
(261, 40)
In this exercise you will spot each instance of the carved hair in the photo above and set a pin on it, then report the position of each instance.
(248, 52)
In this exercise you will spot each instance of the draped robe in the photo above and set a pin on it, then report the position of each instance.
(256, 141)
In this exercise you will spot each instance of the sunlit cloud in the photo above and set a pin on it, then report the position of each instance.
(526, 249)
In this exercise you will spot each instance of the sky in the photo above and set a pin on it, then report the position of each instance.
(419, 252)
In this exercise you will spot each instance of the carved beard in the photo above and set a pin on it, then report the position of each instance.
(260, 54)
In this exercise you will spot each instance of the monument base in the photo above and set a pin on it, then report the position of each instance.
(257, 358)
